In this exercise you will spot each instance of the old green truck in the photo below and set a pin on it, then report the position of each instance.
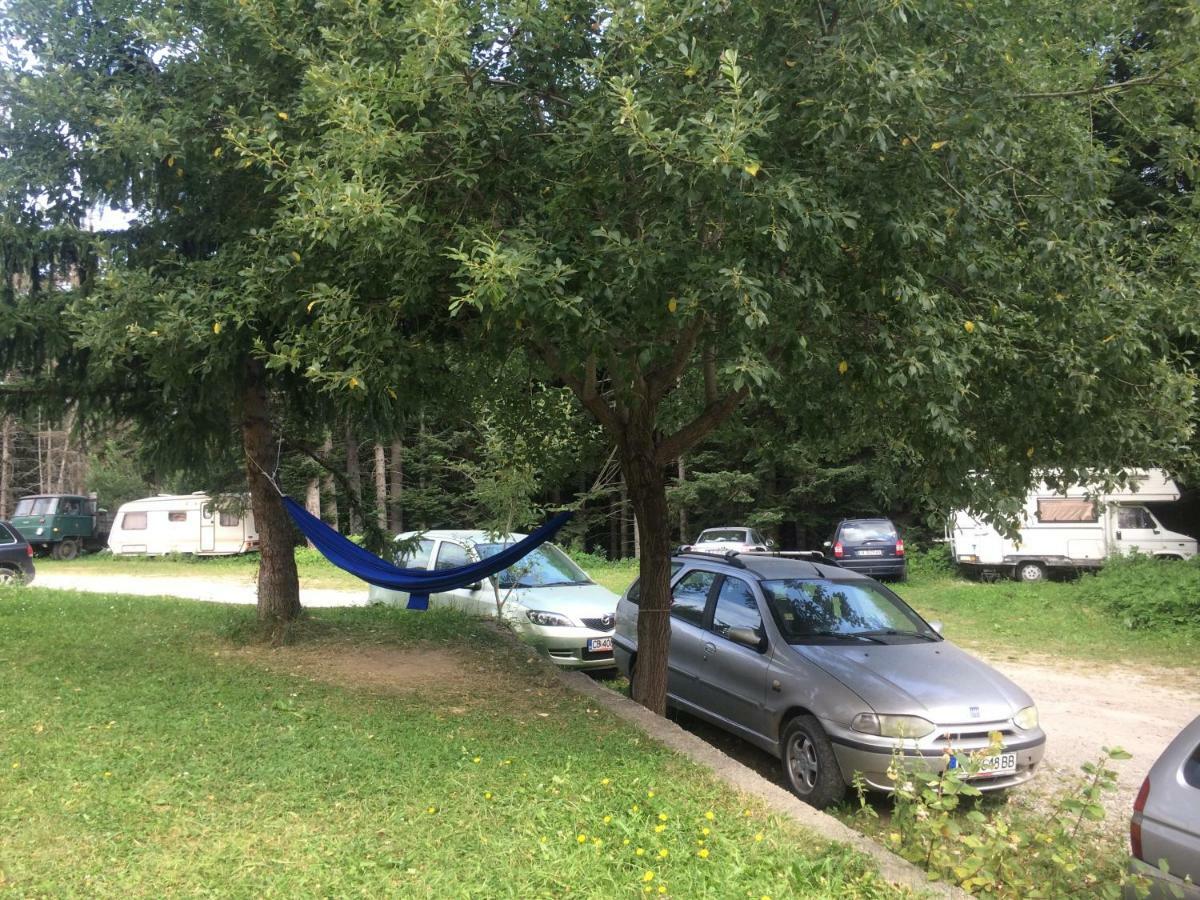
(62, 525)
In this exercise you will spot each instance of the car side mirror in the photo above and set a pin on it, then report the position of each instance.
(747, 637)
(475, 586)
(936, 625)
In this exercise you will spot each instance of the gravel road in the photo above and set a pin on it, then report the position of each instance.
(1083, 707)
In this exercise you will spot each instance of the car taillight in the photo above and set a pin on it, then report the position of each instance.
(899, 547)
(29, 550)
(838, 551)
(1135, 823)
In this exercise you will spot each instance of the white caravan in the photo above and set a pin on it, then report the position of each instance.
(181, 523)
(1072, 530)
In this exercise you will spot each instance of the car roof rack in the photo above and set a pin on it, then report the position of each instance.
(729, 557)
(809, 555)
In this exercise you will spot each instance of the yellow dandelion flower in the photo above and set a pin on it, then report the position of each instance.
(703, 853)
(758, 837)
(16, 765)
(765, 897)
(625, 842)
(746, 813)
(659, 829)
(431, 810)
(507, 762)
(649, 876)
(487, 795)
(664, 853)
(639, 852)
(607, 819)
(705, 831)
(662, 817)
(635, 808)
(108, 774)
(710, 815)
(662, 888)
(582, 838)
(477, 759)
(605, 780)
(597, 841)
(649, 793)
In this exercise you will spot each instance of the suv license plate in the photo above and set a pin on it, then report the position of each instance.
(870, 553)
(599, 645)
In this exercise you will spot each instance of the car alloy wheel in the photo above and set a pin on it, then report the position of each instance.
(809, 765)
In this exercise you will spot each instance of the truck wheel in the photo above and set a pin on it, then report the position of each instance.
(1030, 571)
(809, 766)
(67, 549)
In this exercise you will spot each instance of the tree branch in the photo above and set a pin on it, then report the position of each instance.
(709, 365)
(584, 389)
(660, 380)
(696, 430)
(1140, 81)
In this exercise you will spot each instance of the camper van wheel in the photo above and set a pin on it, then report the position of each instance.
(67, 549)
(1031, 571)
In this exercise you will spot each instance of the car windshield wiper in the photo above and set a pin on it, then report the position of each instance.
(556, 583)
(843, 635)
(894, 632)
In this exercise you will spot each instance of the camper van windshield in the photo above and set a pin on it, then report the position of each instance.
(36, 506)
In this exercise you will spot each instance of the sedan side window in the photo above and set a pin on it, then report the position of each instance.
(691, 596)
(451, 556)
(736, 608)
(416, 557)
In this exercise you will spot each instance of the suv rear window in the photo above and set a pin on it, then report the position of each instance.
(860, 532)
(1191, 769)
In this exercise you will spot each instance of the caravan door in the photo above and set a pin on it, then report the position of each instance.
(208, 529)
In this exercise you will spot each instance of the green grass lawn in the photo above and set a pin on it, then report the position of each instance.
(146, 751)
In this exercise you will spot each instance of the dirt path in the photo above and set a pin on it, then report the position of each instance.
(1084, 707)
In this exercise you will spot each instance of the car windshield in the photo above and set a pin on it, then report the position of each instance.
(36, 506)
(544, 567)
(861, 532)
(808, 608)
(722, 536)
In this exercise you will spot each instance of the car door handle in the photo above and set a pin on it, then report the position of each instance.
(709, 647)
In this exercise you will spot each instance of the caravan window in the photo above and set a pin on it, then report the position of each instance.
(229, 519)
(177, 516)
(1134, 517)
(1066, 509)
(134, 521)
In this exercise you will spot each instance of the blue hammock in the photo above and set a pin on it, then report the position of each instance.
(417, 583)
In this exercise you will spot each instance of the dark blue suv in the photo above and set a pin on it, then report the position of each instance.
(870, 546)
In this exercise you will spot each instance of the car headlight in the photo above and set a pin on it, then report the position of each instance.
(1026, 718)
(541, 617)
(892, 726)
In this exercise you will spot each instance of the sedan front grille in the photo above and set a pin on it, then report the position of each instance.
(974, 736)
(604, 623)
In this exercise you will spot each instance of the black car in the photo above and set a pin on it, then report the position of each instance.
(16, 557)
(870, 546)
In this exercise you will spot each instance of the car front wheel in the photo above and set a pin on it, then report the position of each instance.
(809, 766)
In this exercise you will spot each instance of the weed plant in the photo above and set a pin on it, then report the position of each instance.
(1147, 593)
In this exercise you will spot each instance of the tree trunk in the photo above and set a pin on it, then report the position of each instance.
(6, 466)
(648, 492)
(683, 522)
(396, 507)
(278, 585)
(328, 488)
(624, 519)
(381, 486)
(354, 477)
(312, 499)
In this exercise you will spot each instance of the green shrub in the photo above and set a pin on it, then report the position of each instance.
(929, 562)
(1144, 592)
(1059, 848)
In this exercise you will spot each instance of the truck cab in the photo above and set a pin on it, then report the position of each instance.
(61, 524)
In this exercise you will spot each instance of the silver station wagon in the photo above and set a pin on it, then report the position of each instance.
(833, 673)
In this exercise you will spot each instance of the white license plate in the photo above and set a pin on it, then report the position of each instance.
(599, 645)
(997, 764)
(869, 553)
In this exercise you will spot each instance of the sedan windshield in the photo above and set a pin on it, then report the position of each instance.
(818, 608)
(544, 567)
(722, 536)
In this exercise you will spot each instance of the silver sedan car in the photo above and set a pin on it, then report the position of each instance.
(833, 673)
(1166, 821)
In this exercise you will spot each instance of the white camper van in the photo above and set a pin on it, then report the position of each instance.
(1076, 529)
(181, 523)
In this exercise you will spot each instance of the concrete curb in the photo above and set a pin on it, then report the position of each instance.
(891, 867)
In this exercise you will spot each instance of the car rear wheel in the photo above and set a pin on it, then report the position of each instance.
(1030, 571)
(11, 576)
(809, 766)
